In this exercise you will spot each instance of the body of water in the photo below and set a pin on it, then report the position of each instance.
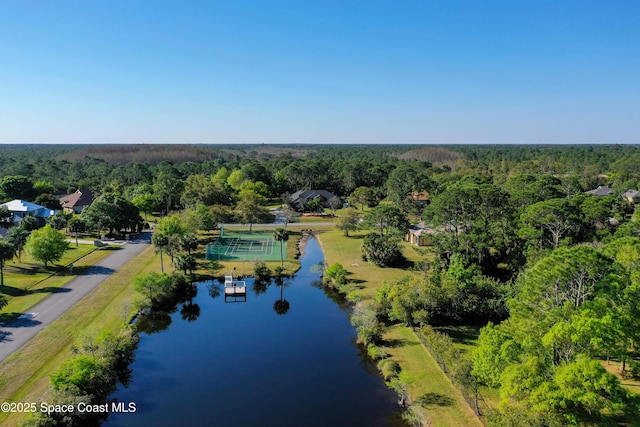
(222, 363)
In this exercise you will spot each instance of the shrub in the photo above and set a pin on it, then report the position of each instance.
(375, 352)
(389, 368)
(382, 251)
(261, 271)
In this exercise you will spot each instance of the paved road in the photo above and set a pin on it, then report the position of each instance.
(17, 333)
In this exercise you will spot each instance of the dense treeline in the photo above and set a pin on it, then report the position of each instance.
(340, 169)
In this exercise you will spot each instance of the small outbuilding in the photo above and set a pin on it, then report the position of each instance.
(419, 235)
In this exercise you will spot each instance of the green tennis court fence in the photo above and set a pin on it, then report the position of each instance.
(247, 247)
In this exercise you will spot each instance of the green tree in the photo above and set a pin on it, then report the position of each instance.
(6, 217)
(236, 179)
(49, 201)
(362, 196)
(387, 220)
(405, 179)
(30, 223)
(185, 262)
(46, 245)
(365, 320)
(348, 221)
(336, 274)
(168, 188)
(43, 187)
(113, 212)
(7, 252)
(550, 221)
(17, 187)
(17, 236)
(383, 251)
(146, 203)
(202, 218)
(85, 373)
(189, 242)
(155, 288)
(171, 225)
(250, 209)
(77, 225)
(199, 189)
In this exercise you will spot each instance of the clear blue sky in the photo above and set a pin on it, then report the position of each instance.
(334, 71)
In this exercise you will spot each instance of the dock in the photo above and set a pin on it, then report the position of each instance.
(234, 287)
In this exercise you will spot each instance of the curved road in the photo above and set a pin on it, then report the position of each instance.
(18, 332)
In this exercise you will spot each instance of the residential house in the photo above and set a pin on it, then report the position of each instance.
(421, 198)
(22, 209)
(602, 190)
(632, 196)
(75, 202)
(300, 199)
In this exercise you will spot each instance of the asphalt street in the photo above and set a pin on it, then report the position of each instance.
(18, 332)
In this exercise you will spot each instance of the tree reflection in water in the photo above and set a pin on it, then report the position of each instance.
(281, 306)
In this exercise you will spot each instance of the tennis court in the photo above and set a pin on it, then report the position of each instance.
(247, 247)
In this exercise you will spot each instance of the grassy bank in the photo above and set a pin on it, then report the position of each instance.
(440, 402)
(25, 374)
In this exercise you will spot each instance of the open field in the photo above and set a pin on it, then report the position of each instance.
(346, 251)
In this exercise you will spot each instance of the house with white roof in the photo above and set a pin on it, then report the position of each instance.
(22, 209)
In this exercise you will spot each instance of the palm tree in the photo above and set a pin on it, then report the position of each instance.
(281, 235)
(160, 241)
(17, 236)
(189, 242)
(7, 251)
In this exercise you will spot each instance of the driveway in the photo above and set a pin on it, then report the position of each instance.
(18, 332)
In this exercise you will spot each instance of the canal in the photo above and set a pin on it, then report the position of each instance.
(222, 363)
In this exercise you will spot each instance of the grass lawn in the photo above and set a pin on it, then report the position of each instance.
(443, 403)
(449, 408)
(346, 251)
(26, 282)
(25, 374)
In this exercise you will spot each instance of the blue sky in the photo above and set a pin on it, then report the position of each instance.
(323, 71)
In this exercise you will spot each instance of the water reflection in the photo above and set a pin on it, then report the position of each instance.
(190, 311)
(221, 364)
(281, 306)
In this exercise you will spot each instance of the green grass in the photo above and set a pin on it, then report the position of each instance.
(310, 219)
(442, 404)
(25, 374)
(346, 251)
(26, 283)
(429, 382)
